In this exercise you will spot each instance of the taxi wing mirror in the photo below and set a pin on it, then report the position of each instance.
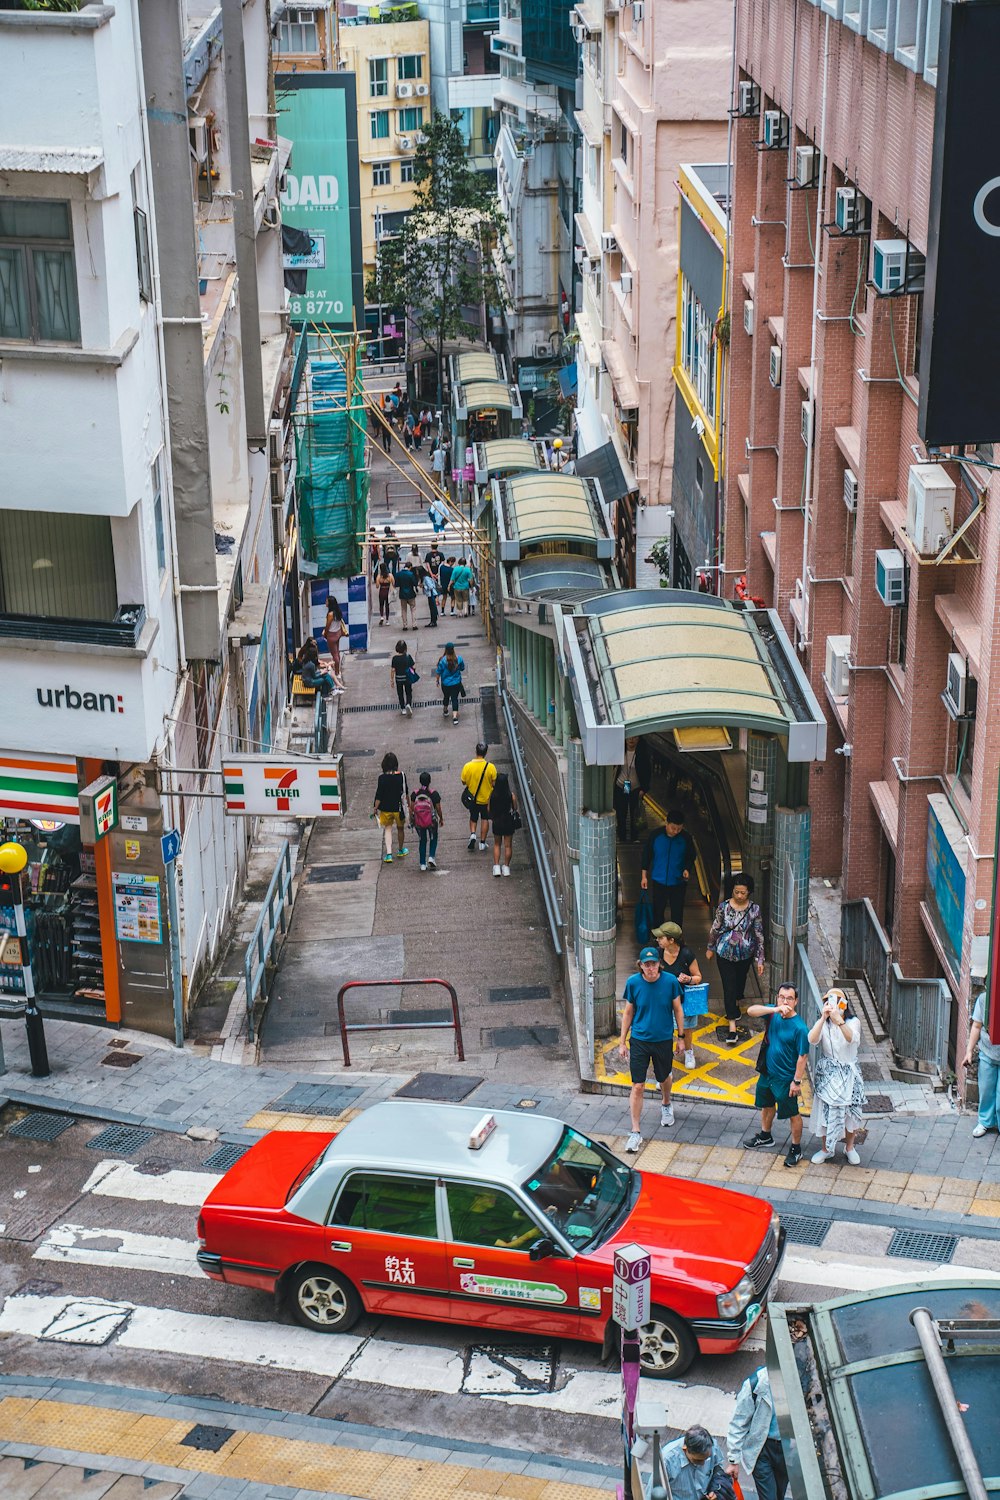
(542, 1248)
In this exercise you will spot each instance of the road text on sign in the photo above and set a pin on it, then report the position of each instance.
(630, 1298)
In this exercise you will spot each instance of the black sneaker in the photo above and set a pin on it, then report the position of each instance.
(794, 1156)
(762, 1138)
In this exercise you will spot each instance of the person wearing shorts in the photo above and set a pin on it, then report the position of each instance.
(785, 1057)
(390, 806)
(654, 1014)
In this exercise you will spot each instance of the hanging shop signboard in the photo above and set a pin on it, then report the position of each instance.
(137, 907)
(98, 809)
(264, 785)
(39, 786)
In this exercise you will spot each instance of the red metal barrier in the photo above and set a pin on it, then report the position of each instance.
(455, 1024)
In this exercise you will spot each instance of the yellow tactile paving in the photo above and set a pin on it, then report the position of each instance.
(272, 1119)
(264, 1458)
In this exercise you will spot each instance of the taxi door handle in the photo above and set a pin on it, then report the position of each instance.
(340, 1245)
(466, 1265)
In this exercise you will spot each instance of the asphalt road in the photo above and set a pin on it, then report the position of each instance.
(98, 1282)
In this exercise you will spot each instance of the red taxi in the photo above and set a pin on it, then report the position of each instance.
(507, 1221)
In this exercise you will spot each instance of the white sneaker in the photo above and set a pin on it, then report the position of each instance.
(496, 868)
(432, 863)
(505, 870)
(689, 1058)
(822, 1156)
(482, 846)
(423, 867)
(853, 1158)
(666, 1114)
(634, 1141)
(409, 711)
(472, 840)
(979, 1132)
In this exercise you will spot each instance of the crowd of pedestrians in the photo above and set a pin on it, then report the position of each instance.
(447, 582)
(486, 794)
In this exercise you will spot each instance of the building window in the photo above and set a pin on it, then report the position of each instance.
(379, 119)
(406, 170)
(410, 66)
(142, 258)
(624, 142)
(161, 539)
(57, 566)
(381, 173)
(898, 629)
(38, 298)
(378, 77)
(298, 32)
(698, 348)
(411, 119)
(965, 744)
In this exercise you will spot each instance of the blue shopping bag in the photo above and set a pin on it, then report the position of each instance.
(694, 998)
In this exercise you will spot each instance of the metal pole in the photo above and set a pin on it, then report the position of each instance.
(926, 1330)
(630, 1388)
(33, 1023)
(175, 953)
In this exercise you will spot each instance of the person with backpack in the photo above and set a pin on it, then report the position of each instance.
(429, 585)
(735, 941)
(506, 819)
(445, 570)
(752, 1440)
(406, 586)
(389, 806)
(390, 550)
(479, 777)
(427, 818)
(402, 675)
(449, 669)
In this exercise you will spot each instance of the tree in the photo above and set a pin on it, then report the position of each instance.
(441, 263)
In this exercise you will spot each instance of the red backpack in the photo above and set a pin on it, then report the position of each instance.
(423, 808)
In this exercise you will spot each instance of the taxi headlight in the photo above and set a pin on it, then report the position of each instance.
(731, 1304)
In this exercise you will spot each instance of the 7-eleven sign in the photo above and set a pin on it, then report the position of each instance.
(281, 785)
(98, 809)
(263, 785)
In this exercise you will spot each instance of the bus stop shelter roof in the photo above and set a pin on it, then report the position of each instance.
(537, 508)
(644, 661)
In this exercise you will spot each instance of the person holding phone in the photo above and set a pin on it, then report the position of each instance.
(838, 1084)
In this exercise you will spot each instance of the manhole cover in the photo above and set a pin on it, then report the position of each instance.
(333, 874)
(871, 1072)
(208, 1439)
(225, 1157)
(803, 1230)
(917, 1244)
(315, 1099)
(155, 1166)
(41, 1127)
(121, 1059)
(122, 1139)
(521, 992)
(878, 1104)
(87, 1320)
(448, 1088)
(521, 1036)
(509, 1370)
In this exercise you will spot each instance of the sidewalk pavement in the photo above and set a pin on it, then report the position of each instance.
(916, 1172)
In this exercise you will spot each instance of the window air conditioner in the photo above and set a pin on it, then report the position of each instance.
(638, 10)
(420, 138)
(579, 254)
(609, 244)
(930, 507)
(421, 90)
(404, 90)
(851, 210)
(896, 267)
(626, 282)
(775, 129)
(405, 143)
(749, 98)
(579, 33)
(890, 576)
(748, 316)
(586, 265)
(275, 444)
(541, 351)
(775, 370)
(198, 132)
(806, 166)
(806, 427)
(838, 672)
(960, 687)
(850, 489)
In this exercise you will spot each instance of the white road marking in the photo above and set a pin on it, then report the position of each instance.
(830, 1271)
(414, 1366)
(120, 1247)
(122, 1179)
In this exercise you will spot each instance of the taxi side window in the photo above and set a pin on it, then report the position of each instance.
(488, 1216)
(391, 1205)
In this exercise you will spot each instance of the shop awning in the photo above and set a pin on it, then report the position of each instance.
(39, 786)
(75, 161)
(625, 385)
(603, 465)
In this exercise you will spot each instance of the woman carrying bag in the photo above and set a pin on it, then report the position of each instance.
(838, 1086)
(506, 820)
(449, 669)
(334, 633)
(736, 940)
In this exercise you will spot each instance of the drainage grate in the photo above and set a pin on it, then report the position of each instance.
(917, 1244)
(316, 1099)
(225, 1157)
(520, 1036)
(414, 1017)
(122, 1139)
(393, 707)
(41, 1127)
(427, 739)
(121, 1059)
(448, 1088)
(333, 874)
(871, 1072)
(491, 724)
(521, 992)
(208, 1439)
(878, 1104)
(803, 1230)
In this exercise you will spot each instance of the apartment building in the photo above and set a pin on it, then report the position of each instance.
(880, 557)
(305, 36)
(653, 93)
(464, 68)
(145, 522)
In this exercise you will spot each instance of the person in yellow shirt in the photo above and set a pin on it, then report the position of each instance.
(478, 778)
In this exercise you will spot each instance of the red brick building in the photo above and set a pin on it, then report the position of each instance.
(826, 500)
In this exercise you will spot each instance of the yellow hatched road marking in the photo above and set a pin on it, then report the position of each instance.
(704, 1081)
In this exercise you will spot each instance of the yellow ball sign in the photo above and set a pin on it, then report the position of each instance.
(13, 858)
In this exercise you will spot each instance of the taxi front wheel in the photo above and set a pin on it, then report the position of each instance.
(666, 1347)
(323, 1300)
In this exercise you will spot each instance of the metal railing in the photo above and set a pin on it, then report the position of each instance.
(321, 729)
(916, 1013)
(455, 1024)
(272, 920)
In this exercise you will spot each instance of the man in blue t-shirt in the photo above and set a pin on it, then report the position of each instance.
(667, 860)
(655, 1015)
(780, 1084)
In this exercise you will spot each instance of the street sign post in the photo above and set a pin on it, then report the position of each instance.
(170, 845)
(630, 1309)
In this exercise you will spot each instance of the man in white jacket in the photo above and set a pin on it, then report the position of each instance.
(753, 1439)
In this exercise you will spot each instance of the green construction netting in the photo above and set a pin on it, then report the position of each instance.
(332, 480)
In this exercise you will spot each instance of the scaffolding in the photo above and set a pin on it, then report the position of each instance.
(330, 432)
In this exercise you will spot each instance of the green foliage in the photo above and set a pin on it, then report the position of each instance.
(440, 266)
(659, 555)
(58, 5)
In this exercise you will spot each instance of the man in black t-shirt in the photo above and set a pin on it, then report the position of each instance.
(406, 587)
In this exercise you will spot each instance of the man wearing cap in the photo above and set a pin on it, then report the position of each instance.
(654, 1013)
(478, 780)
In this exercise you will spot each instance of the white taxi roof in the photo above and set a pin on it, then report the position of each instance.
(425, 1137)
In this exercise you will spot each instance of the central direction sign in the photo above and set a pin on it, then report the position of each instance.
(630, 1299)
(266, 786)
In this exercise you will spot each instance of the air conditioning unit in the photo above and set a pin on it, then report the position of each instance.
(806, 166)
(626, 282)
(775, 371)
(275, 444)
(421, 90)
(838, 672)
(405, 143)
(775, 129)
(404, 90)
(749, 98)
(609, 244)
(930, 507)
(850, 489)
(579, 254)
(541, 351)
(579, 33)
(896, 267)
(198, 133)
(748, 316)
(960, 687)
(851, 211)
(638, 10)
(806, 427)
(420, 138)
(890, 576)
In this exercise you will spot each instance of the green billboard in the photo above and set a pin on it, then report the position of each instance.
(321, 199)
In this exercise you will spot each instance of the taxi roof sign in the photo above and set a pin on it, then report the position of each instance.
(482, 1131)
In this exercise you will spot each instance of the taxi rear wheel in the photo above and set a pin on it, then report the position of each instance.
(667, 1346)
(323, 1300)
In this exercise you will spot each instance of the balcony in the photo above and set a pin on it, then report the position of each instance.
(130, 629)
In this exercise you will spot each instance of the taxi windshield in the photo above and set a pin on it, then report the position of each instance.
(581, 1189)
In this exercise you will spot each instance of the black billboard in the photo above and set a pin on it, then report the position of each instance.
(959, 363)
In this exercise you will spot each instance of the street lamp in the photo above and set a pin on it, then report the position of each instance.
(13, 858)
